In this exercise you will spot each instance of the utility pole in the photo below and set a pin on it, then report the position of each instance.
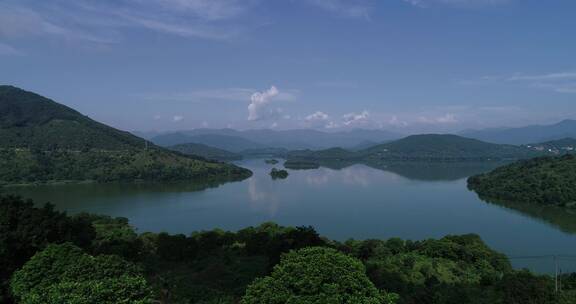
(560, 281)
(555, 274)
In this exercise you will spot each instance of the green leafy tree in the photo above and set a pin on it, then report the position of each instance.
(316, 275)
(25, 229)
(65, 274)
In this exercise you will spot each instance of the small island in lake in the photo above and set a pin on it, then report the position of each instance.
(278, 174)
(271, 161)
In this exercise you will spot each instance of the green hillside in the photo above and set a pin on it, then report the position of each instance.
(547, 180)
(427, 147)
(206, 151)
(444, 147)
(560, 146)
(28, 120)
(43, 141)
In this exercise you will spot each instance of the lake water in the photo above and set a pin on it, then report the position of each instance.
(412, 201)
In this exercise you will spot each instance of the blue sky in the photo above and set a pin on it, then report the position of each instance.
(403, 65)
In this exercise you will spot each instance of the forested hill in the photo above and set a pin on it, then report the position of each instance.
(548, 180)
(206, 151)
(445, 146)
(427, 147)
(52, 258)
(44, 141)
(28, 120)
(560, 146)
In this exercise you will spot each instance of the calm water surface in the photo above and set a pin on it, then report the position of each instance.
(407, 201)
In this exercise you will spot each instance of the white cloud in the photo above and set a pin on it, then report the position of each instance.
(317, 116)
(7, 50)
(213, 95)
(225, 94)
(346, 8)
(461, 3)
(559, 82)
(105, 22)
(259, 107)
(318, 119)
(18, 22)
(396, 122)
(205, 9)
(351, 119)
(564, 87)
(177, 118)
(550, 76)
(447, 118)
(338, 84)
(331, 125)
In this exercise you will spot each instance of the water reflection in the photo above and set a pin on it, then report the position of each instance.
(356, 175)
(411, 201)
(558, 217)
(262, 197)
(424, 171)
(70, 196)
(436, 171)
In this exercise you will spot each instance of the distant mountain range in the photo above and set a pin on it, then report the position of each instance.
(206, 152)
(525, 135)
(356, 140)
(428, 147)
(236, 141)
(218, 141)
(44, 141)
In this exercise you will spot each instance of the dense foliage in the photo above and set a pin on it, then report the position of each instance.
(34, 166)
(548, 181)
(315, 275)
(65, 274)
(43, 141)
(278, 174)
(24, 230)
(28, 120)
(217, 266)
(205, 151)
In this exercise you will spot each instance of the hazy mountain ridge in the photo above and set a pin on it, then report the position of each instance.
(525, 135)
(219, 141)
(267, 138)
(206, 151)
